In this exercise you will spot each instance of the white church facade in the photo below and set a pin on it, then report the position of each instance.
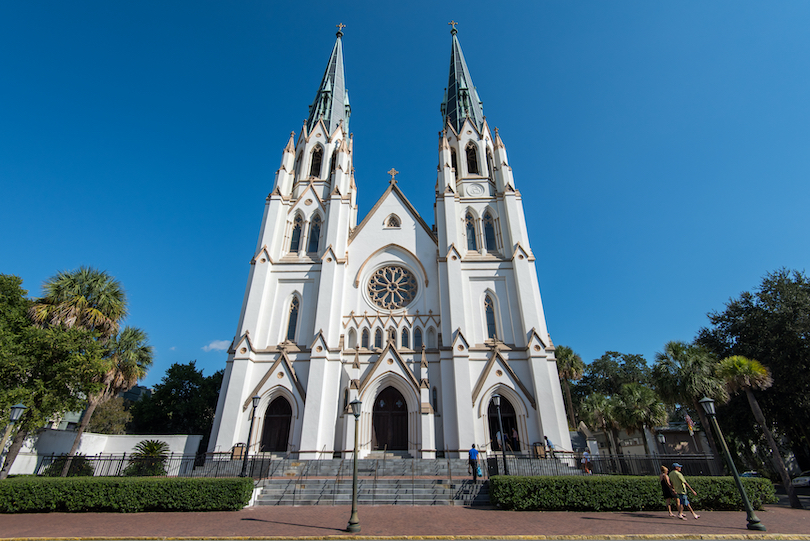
(423, 324)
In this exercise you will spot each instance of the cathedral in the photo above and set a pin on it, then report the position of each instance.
(423, 324)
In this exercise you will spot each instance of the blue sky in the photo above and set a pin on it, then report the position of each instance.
(661, 148)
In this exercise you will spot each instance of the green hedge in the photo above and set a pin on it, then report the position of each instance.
(620, 493)
(124, 495)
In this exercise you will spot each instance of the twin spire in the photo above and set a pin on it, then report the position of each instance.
(332, 99)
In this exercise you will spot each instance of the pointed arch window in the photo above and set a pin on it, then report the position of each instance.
(472, 159)
(392, 336)
(292, 320)
(406, 339)
(298, 165)
(314, 234)
(431, 338)
(469, 226)
(295, 239)
(489, 314)
(352, 339)
(364, 342)
(392, 221)
(454, 161)
(333, 164)
(417, 338)
(317, 160)
(489, 232)
(378, 338)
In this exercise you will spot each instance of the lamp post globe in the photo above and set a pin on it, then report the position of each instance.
(354, 520)
(753, 521)
(14, 415)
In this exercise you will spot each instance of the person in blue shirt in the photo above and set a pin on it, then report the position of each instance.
(474, 462)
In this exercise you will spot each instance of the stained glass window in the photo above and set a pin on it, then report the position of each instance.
(392, 287)
(295, 240)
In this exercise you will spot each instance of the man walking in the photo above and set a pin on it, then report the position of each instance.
(680, 485)
(474, 463)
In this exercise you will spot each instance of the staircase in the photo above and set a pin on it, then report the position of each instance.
(373, 492)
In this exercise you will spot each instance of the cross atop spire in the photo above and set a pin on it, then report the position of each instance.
(332, 100)
(453, 24)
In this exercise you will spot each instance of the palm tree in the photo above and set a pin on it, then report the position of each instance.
(639, 408)
(85, 298)
(683, 374)
(129, 356)
(743, 374)
(570, 367)
(598, 412)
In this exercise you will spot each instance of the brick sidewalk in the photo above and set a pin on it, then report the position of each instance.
(326, 521)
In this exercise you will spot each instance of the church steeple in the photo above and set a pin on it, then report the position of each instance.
(332, 100)
(461, 99)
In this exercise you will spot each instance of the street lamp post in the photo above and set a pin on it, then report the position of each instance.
(497, 400)
(354, 521)
(14, 416)
(753, 521)
(256, 400)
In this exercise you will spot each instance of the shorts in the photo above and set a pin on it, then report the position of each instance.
(684, 501)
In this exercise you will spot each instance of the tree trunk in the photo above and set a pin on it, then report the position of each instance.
(91, 407)
(704, 422)
(572, 421)
(777, 456)
(13, 451)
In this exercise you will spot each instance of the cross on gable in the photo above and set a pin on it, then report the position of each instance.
(393, 172)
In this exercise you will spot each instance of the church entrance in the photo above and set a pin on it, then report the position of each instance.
(509, 419)
(390, 421)
(276, 431)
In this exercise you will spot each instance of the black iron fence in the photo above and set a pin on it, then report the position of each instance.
(568, 463)
(230, 465)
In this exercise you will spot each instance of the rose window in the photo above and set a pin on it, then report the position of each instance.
(392, 287)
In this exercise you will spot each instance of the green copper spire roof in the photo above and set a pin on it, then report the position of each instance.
(332, 100)
(461, 99)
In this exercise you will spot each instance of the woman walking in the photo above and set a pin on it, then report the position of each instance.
(666, 488)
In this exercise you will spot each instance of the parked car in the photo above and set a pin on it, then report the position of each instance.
(750, 473)
(802, 480)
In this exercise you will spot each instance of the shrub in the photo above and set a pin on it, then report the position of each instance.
(125, 495)
(620, 493)
(79, 467)
(148, 459)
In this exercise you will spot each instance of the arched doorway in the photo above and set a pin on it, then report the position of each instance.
(390, 421)
(277, 421)
(509, 419)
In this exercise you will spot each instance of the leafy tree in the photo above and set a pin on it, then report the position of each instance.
(48, 370)
(184, 402)
(93, 300)
(637, 408)
(599, 413)
(148, 459)
(747, 375)
(608, 373)
(683, 374)
(127, 357)
(770, 324)
(85, 298)
(110, 417)
(570, 367)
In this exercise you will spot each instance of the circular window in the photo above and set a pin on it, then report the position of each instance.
(392, 287)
